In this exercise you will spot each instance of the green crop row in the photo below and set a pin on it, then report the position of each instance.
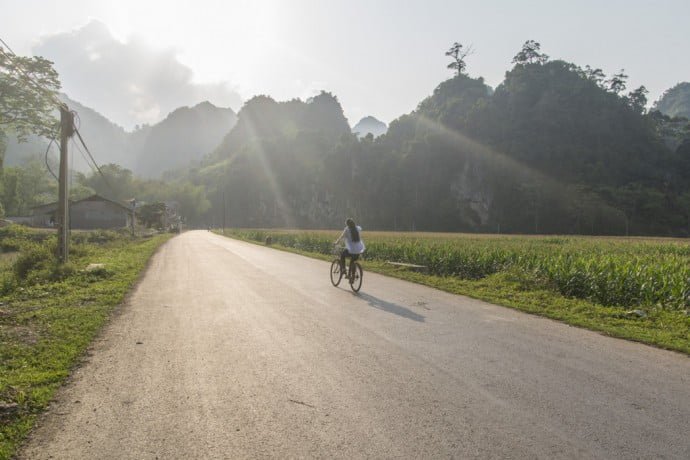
(611, 272)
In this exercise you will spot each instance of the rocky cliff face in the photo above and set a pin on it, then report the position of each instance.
(472, 194)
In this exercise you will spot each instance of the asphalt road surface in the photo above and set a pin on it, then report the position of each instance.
(232, 350)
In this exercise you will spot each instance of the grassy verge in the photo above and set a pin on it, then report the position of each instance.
(525, 287)
(49, 314)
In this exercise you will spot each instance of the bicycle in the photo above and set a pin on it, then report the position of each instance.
(354, 273)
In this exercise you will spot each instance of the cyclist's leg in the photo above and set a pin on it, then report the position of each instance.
(353, 258)
(343, 255)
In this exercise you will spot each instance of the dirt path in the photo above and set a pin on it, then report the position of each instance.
(230, 350)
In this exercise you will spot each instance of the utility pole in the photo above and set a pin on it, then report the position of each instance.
(223, 212)
(133, 203)
(66, 131)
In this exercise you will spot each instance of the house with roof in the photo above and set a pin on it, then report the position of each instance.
(93, 212)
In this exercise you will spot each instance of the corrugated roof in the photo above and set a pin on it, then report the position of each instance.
(94, 197)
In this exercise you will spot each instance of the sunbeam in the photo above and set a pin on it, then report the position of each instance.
(470, 146)
(275, 187)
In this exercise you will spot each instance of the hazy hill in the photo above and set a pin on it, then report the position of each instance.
(271, 168)
(183, 137)
(17, 153)
(675, 102)
(264, 120)
(552, 149)
(186, 135)
(370, 125)
(104, 138)
(107, 141)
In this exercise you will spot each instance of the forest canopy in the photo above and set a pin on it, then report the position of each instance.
(554, 148)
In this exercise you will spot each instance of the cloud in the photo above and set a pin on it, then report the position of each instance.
(128, 82)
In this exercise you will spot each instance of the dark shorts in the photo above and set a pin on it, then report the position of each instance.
(345, 254)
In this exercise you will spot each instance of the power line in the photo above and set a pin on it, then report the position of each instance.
(66, 131)
(77, 118)
(71, 171)
(83, 155)
(32, 83)
(94, 161)
(7, 46)
(12, 58)
(90, 165)
(52, 141)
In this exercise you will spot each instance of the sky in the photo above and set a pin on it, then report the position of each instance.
(134, 61)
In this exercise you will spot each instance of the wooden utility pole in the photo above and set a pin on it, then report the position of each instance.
(223, 212)
(66, 131)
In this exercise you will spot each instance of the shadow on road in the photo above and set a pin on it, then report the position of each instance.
(390, 307)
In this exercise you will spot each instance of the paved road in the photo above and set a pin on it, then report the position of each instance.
(230, 350)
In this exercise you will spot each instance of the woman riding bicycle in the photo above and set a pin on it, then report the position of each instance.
(354, 245)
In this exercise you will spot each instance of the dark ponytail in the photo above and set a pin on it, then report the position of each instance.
(354, 233)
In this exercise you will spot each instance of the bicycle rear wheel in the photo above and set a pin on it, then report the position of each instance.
(336, 274)
(356, 277)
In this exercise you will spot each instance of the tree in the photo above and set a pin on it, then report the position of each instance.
(151, 215)
(458, 55)
(638, 99)
(617, 83)
(684, 201)
(191, 199)
(596, 75)
(25, 187)
(116, 183)
(29, 88)
(530, 54)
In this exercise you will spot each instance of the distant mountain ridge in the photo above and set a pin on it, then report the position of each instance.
(675, 102)
(370, 125)
(550, 150)
(184, 136)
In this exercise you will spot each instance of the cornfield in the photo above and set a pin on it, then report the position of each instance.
(607, 271)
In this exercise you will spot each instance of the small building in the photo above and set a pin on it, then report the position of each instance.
(44, 215)
(93, 212)
(97, 212)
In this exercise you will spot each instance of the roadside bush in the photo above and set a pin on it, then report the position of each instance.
(11, 238)
(60, 272)
(33, 257)
(9, 245)
(95, 236)
(79, 250)
(8, 282)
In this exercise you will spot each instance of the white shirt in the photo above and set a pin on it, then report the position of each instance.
(353, 247)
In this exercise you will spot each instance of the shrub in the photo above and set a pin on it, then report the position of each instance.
(33, 257)
(62, 271)
(8, 282)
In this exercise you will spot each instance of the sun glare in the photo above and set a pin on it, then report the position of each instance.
(221, 41)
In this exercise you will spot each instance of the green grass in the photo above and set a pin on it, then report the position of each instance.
(594, 283)
(49, 314)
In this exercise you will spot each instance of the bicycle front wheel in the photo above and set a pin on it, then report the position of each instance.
(336, 274)
(356, 278)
